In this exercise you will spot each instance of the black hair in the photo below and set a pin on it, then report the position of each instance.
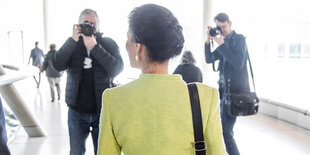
(221, 17)
(158, 29)
(188, 58)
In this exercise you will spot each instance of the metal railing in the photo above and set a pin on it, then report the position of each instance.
(15, 101)
(285, 106)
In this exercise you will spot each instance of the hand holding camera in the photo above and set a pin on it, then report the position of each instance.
(88, 31)
(215, 34)
(89, 41)
(215, 31)
(87, 28)
(76, 32)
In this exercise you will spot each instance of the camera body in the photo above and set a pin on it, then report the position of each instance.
(87, 28)
(215, 31)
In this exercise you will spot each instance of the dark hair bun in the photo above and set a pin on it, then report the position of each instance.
(158, 29)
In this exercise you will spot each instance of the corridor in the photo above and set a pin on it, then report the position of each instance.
(255, 135)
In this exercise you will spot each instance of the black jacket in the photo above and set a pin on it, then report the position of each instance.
(190, 73)
(106, 64)
(233, 62)
(48, 65)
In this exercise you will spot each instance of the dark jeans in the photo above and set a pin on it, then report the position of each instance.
(80, 125)
(228, 123)
(4, 150)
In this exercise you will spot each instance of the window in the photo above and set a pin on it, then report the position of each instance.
(294, 51)
(281, 52)
(306, 51)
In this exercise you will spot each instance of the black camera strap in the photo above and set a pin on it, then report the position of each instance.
(213, 65)
(199, 145)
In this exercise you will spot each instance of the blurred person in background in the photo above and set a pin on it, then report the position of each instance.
(37, 57)
(53, 75)
(188, 70)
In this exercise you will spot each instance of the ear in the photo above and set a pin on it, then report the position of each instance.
(138, 50)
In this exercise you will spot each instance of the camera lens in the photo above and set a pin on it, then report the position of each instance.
(87, 28)
(213, 32)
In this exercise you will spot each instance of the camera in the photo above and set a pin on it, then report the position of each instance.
(87, 28)
(214, 31)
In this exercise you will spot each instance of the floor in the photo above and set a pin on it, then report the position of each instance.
(255, 135)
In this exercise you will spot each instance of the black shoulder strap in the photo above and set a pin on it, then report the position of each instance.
(250, 65)
(252, 75)
(199, 145)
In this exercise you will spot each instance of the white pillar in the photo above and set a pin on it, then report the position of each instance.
(210, 77)
(45, 24)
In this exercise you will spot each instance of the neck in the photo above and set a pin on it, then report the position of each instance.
(155, 68)
(229, 33)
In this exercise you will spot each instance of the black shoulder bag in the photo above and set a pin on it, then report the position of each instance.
(199, 145)
(242, 104)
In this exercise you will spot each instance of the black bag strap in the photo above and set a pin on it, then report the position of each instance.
(252, 75)
(199, 145)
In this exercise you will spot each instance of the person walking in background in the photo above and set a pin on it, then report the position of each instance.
(92, 62)
(4, 150)
(232, 55)
(190, 73)
(53, 75)
(152, 115)
(37, 57)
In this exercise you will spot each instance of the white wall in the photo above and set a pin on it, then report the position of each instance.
(16, 16)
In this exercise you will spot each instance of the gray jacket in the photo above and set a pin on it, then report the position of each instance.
(48, 65)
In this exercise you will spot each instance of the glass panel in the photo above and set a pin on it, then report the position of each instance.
(295, 51)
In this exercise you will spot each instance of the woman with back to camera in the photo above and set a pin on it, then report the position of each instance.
(187, 69)
(152, 115)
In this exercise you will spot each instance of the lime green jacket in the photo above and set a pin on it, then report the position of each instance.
(152, 116)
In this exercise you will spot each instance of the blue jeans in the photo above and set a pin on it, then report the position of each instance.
(4, 150)
(80, 125)
(228, 123)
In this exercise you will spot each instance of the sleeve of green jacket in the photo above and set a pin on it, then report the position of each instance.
(107, 142)
(215, 146)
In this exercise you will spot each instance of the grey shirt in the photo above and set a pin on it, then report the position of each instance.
(37, 56)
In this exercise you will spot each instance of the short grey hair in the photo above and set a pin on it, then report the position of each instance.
(87, 12)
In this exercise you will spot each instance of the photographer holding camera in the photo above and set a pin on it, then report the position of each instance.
(92, 62)
(232, 55)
